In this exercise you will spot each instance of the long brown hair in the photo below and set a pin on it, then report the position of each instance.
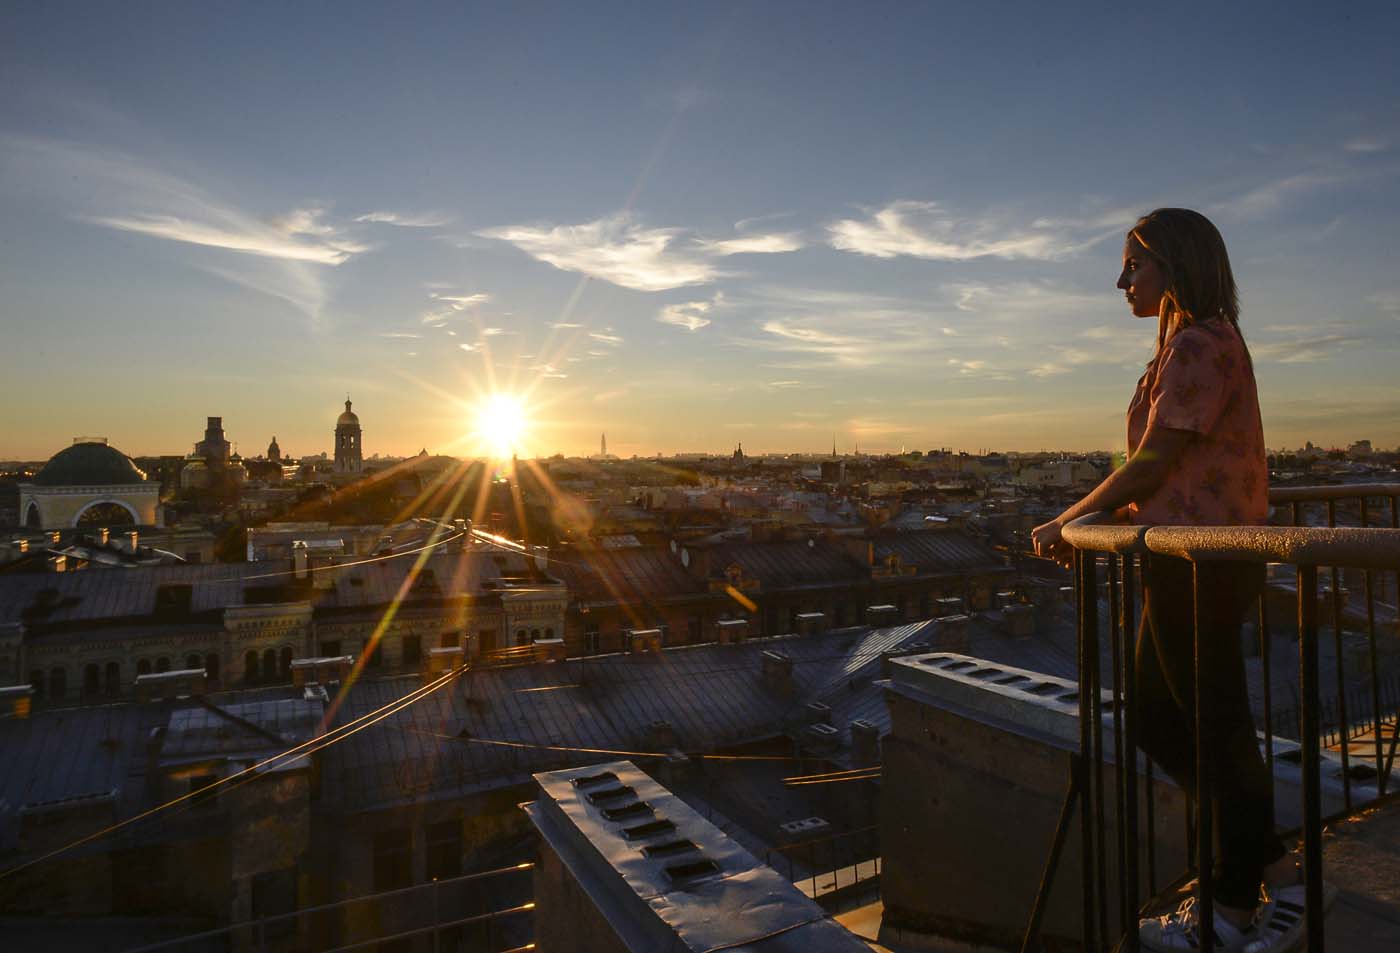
(1199, 285)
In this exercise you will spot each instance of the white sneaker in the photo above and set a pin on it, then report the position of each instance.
(1181, 931)
(1280, 927)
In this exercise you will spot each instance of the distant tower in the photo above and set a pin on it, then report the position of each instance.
(214, 448)
(738, 457)
(604, 452)
(833, 446)
(274, 452)
(347, 442)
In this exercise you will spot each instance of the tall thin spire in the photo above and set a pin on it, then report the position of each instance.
(604, 452)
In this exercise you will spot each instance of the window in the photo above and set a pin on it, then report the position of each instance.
(522, 637)
(211, 666)
(269, 665)
(143, 666)
(58, 683)
(412, 649)
(393, 859)
(534, 634)
(92, 680)
(36, 682)
(192, 661)
(250, 667)
(114, 678)
(444, 849)
(162, 664)
(591, 639)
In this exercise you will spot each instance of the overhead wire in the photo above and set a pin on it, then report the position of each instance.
(296, 752)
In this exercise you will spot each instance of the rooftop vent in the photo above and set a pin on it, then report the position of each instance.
(648, 829)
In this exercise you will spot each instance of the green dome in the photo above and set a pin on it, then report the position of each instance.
(89, 464)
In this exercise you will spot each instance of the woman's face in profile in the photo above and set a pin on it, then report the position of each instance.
(1141, 280)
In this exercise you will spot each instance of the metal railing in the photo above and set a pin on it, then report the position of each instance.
(1311, 550)
(824, 866)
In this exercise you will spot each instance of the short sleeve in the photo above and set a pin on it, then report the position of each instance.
(1192, 384)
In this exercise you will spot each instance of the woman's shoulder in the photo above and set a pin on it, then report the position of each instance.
(1204, 338)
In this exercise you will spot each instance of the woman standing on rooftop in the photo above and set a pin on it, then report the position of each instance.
(1196, 457)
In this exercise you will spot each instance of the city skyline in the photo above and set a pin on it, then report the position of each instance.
(687, 230)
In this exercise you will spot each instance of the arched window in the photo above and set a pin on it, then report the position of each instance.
(58, 683)
(521, 637)
(143, 666)
(32, 519)
(284, 663)
(211, 666)
(269, 665)
(162, 664)
(36, 682)
(192, 661)
(92, 680)
(114, 678)
(106, 514)
(534, 634)
(250, 667)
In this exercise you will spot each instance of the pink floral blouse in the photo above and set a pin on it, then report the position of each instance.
(1202, 381)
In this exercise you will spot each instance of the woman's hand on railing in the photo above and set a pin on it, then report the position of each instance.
(1048, 543)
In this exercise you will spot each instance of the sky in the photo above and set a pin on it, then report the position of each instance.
(686, 226)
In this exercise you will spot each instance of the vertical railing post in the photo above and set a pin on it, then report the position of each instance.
(1308, 678)
(1337, 627)
(437, 918)
(1205, 765)
(1088, 764)
(1376, 723)
(1265, 662)
(1130, 721)
(1124, 761)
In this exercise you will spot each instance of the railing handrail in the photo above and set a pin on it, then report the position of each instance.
(1339, 491)
(1354, 547)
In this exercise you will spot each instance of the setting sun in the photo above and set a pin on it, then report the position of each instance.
(501, 425)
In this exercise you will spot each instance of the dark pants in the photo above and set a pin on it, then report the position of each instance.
(1243, 808)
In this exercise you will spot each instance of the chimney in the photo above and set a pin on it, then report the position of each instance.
(865, 744)
(644, 642)
(103, 535)
(16, 700)
(301, 559)
(21, 545)
(732, 631)
(58, 564)
(950, 634)
(776, 673)
(133, 542)
(55, 538)
(817, 713)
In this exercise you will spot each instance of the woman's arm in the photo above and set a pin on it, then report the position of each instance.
(1133, 482)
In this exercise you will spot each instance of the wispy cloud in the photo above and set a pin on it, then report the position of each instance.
(1267, 198)
(604, 338)
(615, 249)
(773, 244)
(619, 249)
(424, 220)
(1303, 350)
(1365, 144)
(562, 325)
(690, 315)
(405, 335)
(927, 230)
(134, 194)
(299, 235)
